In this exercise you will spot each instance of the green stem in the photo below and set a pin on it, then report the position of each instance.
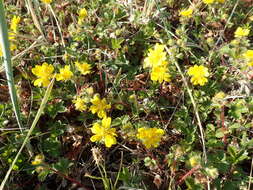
(4, 42)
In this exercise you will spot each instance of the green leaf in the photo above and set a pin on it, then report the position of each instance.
(237, 109)
(53, 109)
(116, 43)
(63, 165)
(52, 146)
(43, 174)
(220, 133)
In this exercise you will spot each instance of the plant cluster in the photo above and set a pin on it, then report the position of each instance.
(128, 95)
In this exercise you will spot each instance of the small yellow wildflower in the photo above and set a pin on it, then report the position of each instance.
(80, 104)
(11, 35)
(44, 73)
(241, 32)
(39, 159)
(186, 12)
(14, 23)
(83, 67)
(160, 74)
(13, 46)
(221, 1)
(82, 14)
(103, 132)
(150, 137)
(208, 1)
(65, 74)
(47, 1)
(248, 55)
(1, 51)
(194, 160)
(99, 106)
(156, 56)
(199, 74)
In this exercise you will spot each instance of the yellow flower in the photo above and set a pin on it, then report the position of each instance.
(199, 74)
(84, 67)
(80, 104)
(47, 1)
(65, 74)
(150, 137)
(241, 32)
(186, 12)
(99, 106)
(221, 1)
(156, 56)
(194, 160)
(13, 46)
(208, 1)
(103, 132)
(160, 74)
(248, 55)
(82, 15)
(38, 159)
(11, 35)
(14, 23)
(1, 51)
(44, 73)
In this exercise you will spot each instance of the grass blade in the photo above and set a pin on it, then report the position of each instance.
(40, 111)
(36, 19)
(7, 64)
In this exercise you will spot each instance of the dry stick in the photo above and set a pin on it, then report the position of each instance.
(195, 111)
(36, 19)
(58, 25)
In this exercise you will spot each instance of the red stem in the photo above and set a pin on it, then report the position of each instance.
(188, 174)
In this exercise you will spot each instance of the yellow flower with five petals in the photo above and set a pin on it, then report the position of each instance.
(83, 67)
(199, 75)
(14, 23)
(65, 74)
(104, 133)
(156, 57)
(44, 73)
(241, 32)
(248, 55)
(160, 74)
(99, 106)
(186, 13)
(150, 137)
(80, 104)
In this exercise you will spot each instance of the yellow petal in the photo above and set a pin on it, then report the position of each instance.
(109, 141)
(95, 138)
